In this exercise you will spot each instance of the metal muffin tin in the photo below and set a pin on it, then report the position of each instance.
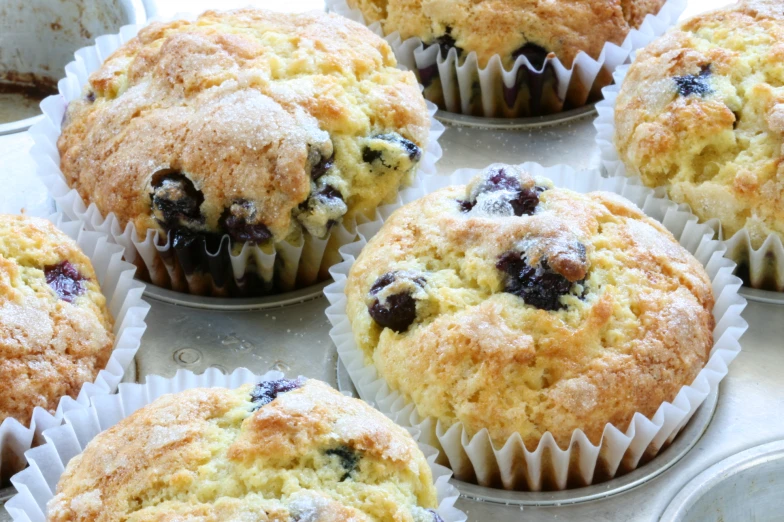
(37, 40)
(290, 333)
(746, 486)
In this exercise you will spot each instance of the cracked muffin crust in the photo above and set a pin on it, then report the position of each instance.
(511, 28)
(523, 308)
(260, 125)
(701, 112)
(55, 330)
(283, 451)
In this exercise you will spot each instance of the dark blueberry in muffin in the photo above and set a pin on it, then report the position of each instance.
(500, 180)
(537, 286)
(389, 158)
(523, 201)
(321, 165)
(239, 221)
(436, 517)
(349, 459)
(65, 280)
(536, 54)
(175, 200)
(267, 391)
(446, 42)
(694, 83)
(526, 201)
(90, 96)
(398, 311)
(428, 74)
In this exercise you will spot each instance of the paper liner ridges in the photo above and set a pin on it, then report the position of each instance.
(36, 485)
(551, 89)
(290, 265)
(124, 301)
(762, 268)
(513, 466)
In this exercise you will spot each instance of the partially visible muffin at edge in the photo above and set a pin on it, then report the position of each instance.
(519, 307)
(510, 28)
(260, 125)
(280, 451)
(55, 330)
(701, 112)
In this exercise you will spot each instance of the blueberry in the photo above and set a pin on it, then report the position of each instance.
(387, 158)
(446, 42)
(536, 54)
(321, 166)
(90, 96)
(694, 83)
(175, 200)
(65, 280)
(537, 286)
(239, 222)
(398, 311)
(349, 459)
(436, 517)
(526, 201)
(267, 391)
(523, 201)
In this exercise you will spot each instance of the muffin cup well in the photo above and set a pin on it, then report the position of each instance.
(762, 268)
(546, 467)
(37, 484)
(201, 268)
(461, 86)
(124, 301)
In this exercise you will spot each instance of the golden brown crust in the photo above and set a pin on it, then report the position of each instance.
(48, 347)
(203, 453)
(490, 27)
(626, 339)
(244, 104)
(717, 145)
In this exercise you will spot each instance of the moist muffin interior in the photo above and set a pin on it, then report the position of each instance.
(567, 313)
(285, 450)
(259, 125)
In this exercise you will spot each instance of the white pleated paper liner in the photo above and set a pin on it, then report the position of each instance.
(461, 86)
(37, 484)
(124, 301)
(199, 269)
(762, 268)
(621, 449)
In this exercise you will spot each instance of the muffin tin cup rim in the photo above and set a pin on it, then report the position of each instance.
(229, 304)
(722, 471)
(643, 435)
(35, 486)
(462, 74)
(128, 309)
(304, 261)
(761, 269)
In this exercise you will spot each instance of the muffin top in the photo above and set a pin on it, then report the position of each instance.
(511, 28)
(55, 330)
(280, 451)
(522, 308)
(701, 111)
(250, 123)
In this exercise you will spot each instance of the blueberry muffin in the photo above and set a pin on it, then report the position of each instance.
(286, 450)
(518, 307)
(701, 112)
(510, 28)
(55, 330)
(257, 125)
